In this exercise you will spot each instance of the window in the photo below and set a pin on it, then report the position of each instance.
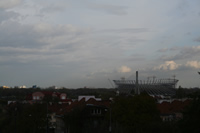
(99, 111)
(96, 111)
(63, 97)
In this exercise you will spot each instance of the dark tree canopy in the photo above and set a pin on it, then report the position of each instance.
(190, 122)
(24, 118)
(137, 114)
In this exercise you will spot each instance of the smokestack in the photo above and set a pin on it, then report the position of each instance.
(137, 84)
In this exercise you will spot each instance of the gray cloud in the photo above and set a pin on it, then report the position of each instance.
(163, 50)
(137, 57)
(15, 34)
(9, 3)
(183, 53)
(197, 39)
(111, 9)
(174, 48)
(125, 38)
(7, 15)
(40, 43)
(43, 49)
(59, 44)
(52, 8)
(127, 30)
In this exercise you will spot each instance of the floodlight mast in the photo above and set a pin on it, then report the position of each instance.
(174, 76)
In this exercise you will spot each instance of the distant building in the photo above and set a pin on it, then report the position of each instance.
(5, 87)
(40, 95)
(53, 87)
(34, 86)
(92, 113)
(23, 87)
(154, 87)
(86, 98)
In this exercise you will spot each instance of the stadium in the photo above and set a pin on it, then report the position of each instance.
(155, 87)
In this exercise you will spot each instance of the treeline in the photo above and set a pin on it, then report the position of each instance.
(20, 94)
(104, 93)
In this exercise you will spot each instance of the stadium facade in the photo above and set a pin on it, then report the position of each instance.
(155, 87)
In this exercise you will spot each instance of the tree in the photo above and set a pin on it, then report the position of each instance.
(34, 117)
(73, 120)
(191, 117)
(136, 114)
(82, 119)
(25, 118)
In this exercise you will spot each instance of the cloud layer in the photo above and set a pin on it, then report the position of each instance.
(168, 65)
(9, 3)
(194, 64)
(124, 69)
(76, 43)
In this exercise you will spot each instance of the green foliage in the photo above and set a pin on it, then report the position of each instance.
(191, 117)
(137, 114)
(16, 94)
(97, 92)
(34, 116)
(80, 120)
(73, 120)
(180, 93)
(24, 118)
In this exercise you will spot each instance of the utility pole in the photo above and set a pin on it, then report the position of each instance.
(110, 124)
(47, 123)
(15, 119)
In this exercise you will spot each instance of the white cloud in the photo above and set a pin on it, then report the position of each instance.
(9, 3)
(168, 65)
(193, 64)
(124, 69)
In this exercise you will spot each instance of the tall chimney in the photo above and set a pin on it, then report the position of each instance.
(137, 91)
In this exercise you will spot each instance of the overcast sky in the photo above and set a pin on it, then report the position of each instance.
(77, 43)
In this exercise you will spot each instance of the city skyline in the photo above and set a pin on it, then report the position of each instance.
(84, 43)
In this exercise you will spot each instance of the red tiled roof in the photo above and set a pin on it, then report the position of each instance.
(173, 107)
(57, 108)
(82, 103)
(48, 93)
